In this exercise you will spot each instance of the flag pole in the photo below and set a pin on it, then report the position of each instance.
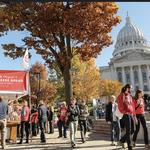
(26, 66)
(30, 105)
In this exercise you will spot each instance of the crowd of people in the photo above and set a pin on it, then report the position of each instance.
(125, 114)
(34, 121)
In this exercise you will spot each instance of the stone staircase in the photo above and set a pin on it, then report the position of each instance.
(102, 127)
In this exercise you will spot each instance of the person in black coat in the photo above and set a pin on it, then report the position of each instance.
(111, 117)
(50, 120)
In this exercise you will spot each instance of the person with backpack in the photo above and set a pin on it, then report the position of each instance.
(34, 120)
(139, 110)
(114, 120)
(73, 113)
(127, 108)
(83, 114)
(42, 113)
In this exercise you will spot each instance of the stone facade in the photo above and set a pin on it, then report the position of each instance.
(131, 59)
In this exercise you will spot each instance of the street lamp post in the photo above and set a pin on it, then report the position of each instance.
(39, 87)
(38, 91)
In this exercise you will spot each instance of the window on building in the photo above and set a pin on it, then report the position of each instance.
(120, 77)
(130, 42)
(144, 76)
(136, 79)
(146, 88)
(127, 77)
(136, 87)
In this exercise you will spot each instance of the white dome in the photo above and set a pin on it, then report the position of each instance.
(128, 37)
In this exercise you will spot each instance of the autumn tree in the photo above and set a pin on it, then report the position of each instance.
(86, 78)
(109, 87)
(40, 86)
(60, 30)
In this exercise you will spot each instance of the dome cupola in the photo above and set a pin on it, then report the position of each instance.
(129, 37)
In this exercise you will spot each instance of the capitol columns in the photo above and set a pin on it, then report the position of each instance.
(140, 78)
(123, 75)
(132, 77)
(148, 75)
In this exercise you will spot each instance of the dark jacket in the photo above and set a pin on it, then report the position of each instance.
(83, 112)
(73, 113)
(109, 115)
(3, 109)
(50, 115)
(42, 111)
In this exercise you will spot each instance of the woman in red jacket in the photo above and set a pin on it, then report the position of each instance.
(139, 110)
(127, 108)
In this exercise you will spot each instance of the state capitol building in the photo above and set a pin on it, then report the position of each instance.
(131, 58)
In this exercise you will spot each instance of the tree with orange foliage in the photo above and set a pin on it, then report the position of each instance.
(60, 30)
(109, 87)
(86, 78)
(40, 86)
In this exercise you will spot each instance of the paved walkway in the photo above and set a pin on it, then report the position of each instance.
(94, 142)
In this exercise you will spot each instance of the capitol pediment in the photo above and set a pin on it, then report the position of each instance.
(132, 56)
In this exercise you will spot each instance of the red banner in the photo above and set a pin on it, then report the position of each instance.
(12, 81)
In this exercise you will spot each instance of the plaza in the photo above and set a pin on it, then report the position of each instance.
(95, 141)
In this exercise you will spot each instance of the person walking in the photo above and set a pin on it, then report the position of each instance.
(34, 120)
(42, 112)
(83, 115)
(51, 119)
(139, 110)
(3, 116)
(10, 110)
(111, 117)
(127, 108)
(73, 113)
(62, 117)
(25, 117)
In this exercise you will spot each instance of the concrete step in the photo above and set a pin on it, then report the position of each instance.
(102, 127)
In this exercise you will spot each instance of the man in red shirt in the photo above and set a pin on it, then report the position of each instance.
(127, 108)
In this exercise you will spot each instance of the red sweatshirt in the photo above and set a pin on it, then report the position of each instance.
(35, 117)
(139, 109)
(63, 113)
(126, 104)
(25, 113)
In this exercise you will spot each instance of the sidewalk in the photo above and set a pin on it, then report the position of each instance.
(94, 142)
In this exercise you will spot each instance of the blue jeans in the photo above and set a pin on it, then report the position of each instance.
(83, 128)
(141, 119)
(42, 128)
(129, 126)
(61, 125)
(73, 128)
(115, 131)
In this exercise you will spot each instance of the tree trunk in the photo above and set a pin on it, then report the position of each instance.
(68, 83)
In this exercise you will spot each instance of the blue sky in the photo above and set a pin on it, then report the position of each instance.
(138, 11)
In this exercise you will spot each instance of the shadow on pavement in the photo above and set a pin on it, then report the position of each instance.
(95, 136)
